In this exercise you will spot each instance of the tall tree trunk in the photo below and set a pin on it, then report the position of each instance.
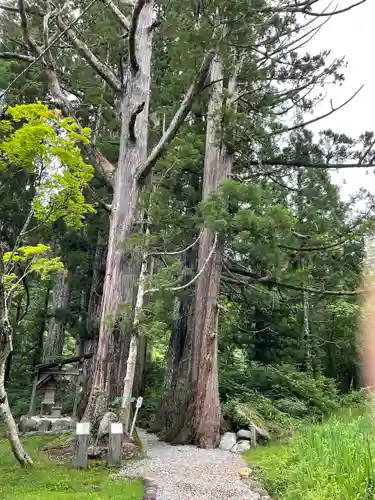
(38, 349)
(183, 311)
(6, 348)
(96, 290)
(118, 285)
(200, 421)
(54, 343)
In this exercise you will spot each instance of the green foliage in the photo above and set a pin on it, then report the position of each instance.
(47, 146)
(331, 461)
(36, 259)
(58, 481)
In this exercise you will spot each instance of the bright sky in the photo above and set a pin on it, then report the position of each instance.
(351, 34)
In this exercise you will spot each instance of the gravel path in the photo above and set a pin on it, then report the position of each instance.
(190, 473)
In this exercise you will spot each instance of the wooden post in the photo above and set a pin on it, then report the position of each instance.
(32, 407)
(137, 407)
(253, 440)
(115, 444)
(78, 388)
(81, 445)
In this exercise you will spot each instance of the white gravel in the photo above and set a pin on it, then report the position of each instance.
(190, 473)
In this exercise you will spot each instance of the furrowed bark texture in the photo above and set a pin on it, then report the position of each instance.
(119, 285)
(199, 422)
(6, 348)
(175, 368)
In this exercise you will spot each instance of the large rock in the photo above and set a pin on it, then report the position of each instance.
(44, 425)
(228, 440)
(241, 447)
(28, 424)
(105, 422)
(61, 424)
(262, 434)
(244, 434)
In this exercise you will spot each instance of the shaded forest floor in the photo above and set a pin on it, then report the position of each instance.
(58, 480)
(333, 460)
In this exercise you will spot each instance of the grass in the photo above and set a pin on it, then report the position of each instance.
(53, 481)
(331, 461)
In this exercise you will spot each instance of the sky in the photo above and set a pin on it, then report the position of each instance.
(352, 35)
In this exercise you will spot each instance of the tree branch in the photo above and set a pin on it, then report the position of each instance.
(178, 118)
(124, 21)
(16, 57)
(301, 164)
(14, 10)
(132, 31)
(104, 71)
(194, 279)
(318, 118)
(178, 252)
(267, 280)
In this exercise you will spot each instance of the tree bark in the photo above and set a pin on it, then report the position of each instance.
(118, 285)
(133, 349)
(54, 344)
(6, 348)
(180, 334)
(199, 421)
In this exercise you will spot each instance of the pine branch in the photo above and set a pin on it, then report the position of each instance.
(178, 118)
(268, 280)
(318, 118)
(301, 164)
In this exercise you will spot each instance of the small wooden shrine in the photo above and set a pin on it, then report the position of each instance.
(46, 379)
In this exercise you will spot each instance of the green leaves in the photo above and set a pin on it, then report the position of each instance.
(35, 259)
(47, 146)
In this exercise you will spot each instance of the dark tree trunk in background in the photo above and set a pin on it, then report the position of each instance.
(54, 344)
(174, 359)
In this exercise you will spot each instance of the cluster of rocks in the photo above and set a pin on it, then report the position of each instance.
(45, 424)
(243, 440)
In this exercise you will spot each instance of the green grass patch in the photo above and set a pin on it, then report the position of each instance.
(330, 461)
(53, 481)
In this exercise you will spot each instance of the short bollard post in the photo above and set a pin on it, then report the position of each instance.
(115, 444)
(253, 440)
(81, 445)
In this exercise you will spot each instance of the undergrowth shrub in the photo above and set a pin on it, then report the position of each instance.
(329, 461)
(278, 396)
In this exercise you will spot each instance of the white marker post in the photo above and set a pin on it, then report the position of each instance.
(137, 406)
(115, 444)
(81, 445)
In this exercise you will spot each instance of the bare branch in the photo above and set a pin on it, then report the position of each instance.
(133, 28)
(178, 118)
(194, 279)
(324, 14)
(104, 71)
(16, 57)
(124, 21)
(178, 252)
(313, 120)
